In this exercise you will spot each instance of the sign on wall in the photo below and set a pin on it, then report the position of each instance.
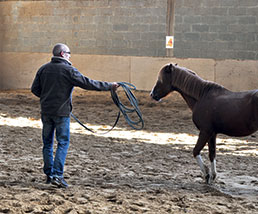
(169, 41)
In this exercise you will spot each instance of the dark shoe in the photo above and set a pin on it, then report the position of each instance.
(49, 179)
(60, 182)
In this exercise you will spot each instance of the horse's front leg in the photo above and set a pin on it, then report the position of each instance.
(203, 138)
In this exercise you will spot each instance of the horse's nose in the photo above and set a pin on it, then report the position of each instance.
(152, 95)
(155, 97)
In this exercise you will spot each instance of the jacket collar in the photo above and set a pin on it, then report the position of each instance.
(60, 59)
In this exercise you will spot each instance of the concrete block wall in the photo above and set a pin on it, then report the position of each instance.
(120, 40)
(103, 27)
(220, 29)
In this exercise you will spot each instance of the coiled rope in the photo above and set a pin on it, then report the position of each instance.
(125, 110)
(138, 125)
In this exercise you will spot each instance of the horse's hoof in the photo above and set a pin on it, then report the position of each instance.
(214, 176)
(207, 179)
(210, 178)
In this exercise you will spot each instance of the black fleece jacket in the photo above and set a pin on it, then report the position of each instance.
(54, 83)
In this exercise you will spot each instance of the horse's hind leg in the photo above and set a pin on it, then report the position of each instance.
(212, 156)
(203, 167)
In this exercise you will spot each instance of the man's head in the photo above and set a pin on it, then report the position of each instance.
(61, 50)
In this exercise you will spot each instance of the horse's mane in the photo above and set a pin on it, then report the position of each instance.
(191, 84)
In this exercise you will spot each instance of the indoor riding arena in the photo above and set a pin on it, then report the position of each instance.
(151, 170)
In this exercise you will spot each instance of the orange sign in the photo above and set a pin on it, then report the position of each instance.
(169, 41)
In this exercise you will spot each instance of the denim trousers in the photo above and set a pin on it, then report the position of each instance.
(54, 166)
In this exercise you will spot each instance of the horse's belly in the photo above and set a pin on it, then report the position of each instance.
(239, 133)
(234, 114)
(236, 128)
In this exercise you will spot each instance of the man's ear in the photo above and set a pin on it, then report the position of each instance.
(62, 54)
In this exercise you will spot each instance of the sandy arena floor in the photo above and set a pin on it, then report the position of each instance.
(125, 171)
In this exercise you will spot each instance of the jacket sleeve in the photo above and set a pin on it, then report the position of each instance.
(84, 82)
(36, 88)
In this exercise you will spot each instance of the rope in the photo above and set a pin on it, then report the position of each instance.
(127, 87)
(138, 125)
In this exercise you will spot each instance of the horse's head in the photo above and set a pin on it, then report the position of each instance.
(163, 85)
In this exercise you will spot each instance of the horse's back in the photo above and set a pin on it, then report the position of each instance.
(230, 113)
(255, 96)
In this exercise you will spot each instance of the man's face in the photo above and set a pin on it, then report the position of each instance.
(67, 54)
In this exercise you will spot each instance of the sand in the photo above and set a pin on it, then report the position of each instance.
(125, 171)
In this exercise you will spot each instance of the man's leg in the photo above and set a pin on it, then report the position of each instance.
(48, 141)
(63, 139)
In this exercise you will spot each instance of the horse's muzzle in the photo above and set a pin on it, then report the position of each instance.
(155, 97)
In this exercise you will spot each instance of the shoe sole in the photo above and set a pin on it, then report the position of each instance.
(58, 184)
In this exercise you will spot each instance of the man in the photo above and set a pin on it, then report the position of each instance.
(53, 84)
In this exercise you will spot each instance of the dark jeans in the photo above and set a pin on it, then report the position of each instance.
(55, 166)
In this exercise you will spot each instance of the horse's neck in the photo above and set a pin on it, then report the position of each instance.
(192, 86)
(190, 101)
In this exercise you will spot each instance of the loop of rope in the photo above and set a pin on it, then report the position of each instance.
(138, 125)
(127, 87)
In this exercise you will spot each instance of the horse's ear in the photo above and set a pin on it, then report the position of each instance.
(169, 68)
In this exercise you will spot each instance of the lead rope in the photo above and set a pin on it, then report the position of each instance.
(127, 87)
(138, 125)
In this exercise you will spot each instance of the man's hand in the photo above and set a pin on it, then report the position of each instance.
(114, 86)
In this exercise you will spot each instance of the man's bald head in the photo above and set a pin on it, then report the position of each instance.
(58, 48)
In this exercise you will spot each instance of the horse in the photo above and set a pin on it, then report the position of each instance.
(215, 110)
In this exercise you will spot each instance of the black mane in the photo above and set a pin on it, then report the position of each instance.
(191, 84)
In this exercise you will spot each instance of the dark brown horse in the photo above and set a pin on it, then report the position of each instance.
(215, 109)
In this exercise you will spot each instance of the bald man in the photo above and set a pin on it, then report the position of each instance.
(53, 84)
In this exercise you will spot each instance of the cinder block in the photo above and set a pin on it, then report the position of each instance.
(228, 20)
(252, 11)
(248, 3)
(139, 27)
(211, 20)
(120, 27)
(218, 28)
(252, 46)
(192, 19)
(200, 28)
(192, 36)
(101, 19)
(238, 11)
(246, 37)
(219, 11)
(158, 27)
(229, 3)
(245, 55)
(132, 37)
(227, 37)
(192, 4)
(247, 20)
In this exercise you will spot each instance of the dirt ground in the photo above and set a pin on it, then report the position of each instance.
(125, 171)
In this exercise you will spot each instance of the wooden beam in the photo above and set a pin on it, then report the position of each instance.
(170, 23)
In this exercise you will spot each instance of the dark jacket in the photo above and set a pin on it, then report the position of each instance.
(54, 84)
